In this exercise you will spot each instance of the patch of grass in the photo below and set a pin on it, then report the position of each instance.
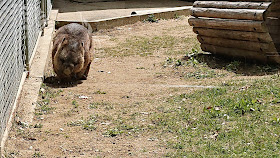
(109, 107)
(173, 62)
(233, 66)
(95, 105)
(87, 124)
(140, 68)
(46, 95)
(37, 155)
(193, 68)
(99, 92)
(145, 46)
(232, 120)
(11, 154)
(202, 73)
(38, 125)
(75, 104)
(43, 107)
(113, 132)
(151, 18)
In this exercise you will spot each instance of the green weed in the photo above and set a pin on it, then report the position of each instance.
(87, 124)
(75, 104)
(113, 132)
(151, 18)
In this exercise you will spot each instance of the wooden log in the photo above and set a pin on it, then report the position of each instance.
(274, 6)
(272, 29)
(275, 14)
(235, 35)
(275, 38)
(277, 45)
(231, 5)
(234, 52)
(228, 24)
(272, 21)
(243, 14)
(273, 59)
(245, 45)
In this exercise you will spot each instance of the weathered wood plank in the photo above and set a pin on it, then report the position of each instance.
(272, 21)
(228, 24)
(235, 35)
(275, 14)
(234, 52)
(244, 45)
(243, 14)
(274, 6)
(231, 5)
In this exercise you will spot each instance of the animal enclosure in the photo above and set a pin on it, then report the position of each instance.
(247, 29)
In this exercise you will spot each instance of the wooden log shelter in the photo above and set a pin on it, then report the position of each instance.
(239, 28)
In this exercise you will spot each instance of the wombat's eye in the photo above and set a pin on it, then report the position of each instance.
(83, 44)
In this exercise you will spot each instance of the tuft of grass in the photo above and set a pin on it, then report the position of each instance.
(87, 124)
(95, 105)
(46, 95)
(233, 66)
(113, 132)
(202, 73)
(75, 104)
(99, 92)
(37, 155)
(43, 107)
(38, 125)
(151, 18)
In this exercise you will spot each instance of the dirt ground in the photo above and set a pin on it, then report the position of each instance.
(110, 114)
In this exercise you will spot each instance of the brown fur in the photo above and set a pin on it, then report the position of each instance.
(72, 52)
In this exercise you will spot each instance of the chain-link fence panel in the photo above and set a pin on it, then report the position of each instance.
(11, 57)
(20, 26)
(33, 25)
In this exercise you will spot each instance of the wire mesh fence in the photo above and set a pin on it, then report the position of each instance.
(20, 26)
(33, 25)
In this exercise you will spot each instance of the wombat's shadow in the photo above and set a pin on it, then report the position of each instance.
(53, 81)
(237, 65)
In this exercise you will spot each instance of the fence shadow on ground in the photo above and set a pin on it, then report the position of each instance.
(54, 82)
(238, 66)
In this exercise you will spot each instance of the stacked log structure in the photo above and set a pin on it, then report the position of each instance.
(239, 28)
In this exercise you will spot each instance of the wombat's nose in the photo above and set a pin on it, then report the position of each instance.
(67, 71)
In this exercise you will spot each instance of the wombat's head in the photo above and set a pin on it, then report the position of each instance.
(69, 58)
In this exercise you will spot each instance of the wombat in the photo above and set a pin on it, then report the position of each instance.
(72, 52)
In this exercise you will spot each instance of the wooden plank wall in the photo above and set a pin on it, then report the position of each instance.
(273, 22)
(238, 28)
